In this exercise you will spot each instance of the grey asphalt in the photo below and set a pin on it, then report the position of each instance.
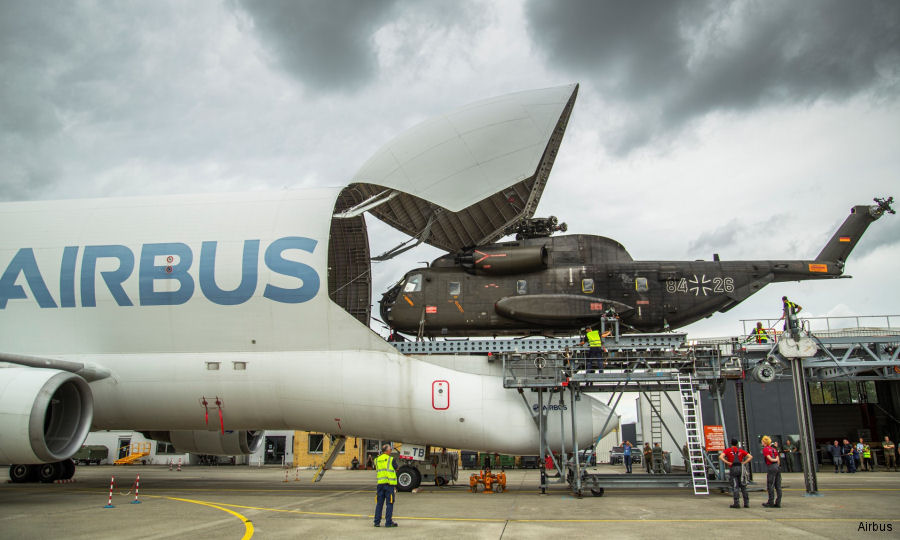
(240, 502)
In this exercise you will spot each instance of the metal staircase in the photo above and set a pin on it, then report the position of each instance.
(693, 420)
(337, 444)
(137, 452)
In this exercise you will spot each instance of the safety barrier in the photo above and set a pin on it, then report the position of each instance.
(135, 488)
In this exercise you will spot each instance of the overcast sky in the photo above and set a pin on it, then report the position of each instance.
(741, 128)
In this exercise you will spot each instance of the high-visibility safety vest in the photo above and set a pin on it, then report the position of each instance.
(593, 338)
(791, 307)
(867, 452)
(761, 336)
(384, 470)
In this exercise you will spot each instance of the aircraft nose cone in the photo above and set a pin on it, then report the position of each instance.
(603, 420)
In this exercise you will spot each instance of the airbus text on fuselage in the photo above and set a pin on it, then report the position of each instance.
(158, 264)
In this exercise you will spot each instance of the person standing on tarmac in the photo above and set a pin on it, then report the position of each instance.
(890, 458)
(788, 452)
(836, 450)
(386, 471)
(867, 458)
(648, 454)
(735, 458)
(626, 453)
(773, 473)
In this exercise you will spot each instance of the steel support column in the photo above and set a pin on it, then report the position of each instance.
(743, 429)
(577, 482)
(804, 420)
(541, 428)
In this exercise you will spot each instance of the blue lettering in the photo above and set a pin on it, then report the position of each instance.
(249, 271)
(149, 273)
(24, 263)
(113, 278)
(67, 277)
(306, 274)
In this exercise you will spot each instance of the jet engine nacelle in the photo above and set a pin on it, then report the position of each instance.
(231, 443)
(502, 260)
(45, 414)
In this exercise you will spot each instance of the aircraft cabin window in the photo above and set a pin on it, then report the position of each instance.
(521, 287)
(413, 284)
(640, 284)
(587, 285)
(454, 289)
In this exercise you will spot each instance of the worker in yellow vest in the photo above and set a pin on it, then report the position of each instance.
(759, 333)
(595, 349)
(791, 323)
(386, 471)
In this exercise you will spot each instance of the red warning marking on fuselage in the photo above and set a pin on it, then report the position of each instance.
(488, 255)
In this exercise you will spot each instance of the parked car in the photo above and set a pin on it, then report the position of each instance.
(617, 455)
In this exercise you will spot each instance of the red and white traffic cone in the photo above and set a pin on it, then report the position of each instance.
(171, 464)
(137, 485)
(286, 474)
(297, 475)
(112, 482)
(179, 464)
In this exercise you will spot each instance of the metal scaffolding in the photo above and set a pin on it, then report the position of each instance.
(656, 363)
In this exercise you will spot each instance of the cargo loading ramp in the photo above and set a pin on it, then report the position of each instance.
(463, 178)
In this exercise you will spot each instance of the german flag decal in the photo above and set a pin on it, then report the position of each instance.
(818, 268)
(844, 239)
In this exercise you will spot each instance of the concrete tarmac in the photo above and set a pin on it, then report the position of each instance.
(240, 502)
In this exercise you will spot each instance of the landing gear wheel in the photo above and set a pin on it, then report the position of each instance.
(597, 492)
(440, 481)
(68, 469)
(50, 472)
(498, 488)
(20, 474)
(408, 479)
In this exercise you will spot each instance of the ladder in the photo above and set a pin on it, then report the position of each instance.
(693, 419)
(655, 420)
(337, 444)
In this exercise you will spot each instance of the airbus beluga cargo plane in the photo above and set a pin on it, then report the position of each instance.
(203, 320)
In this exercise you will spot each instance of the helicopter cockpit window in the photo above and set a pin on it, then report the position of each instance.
(521, 287)
(587, 285)
(413, 283)
(453, 288)
(640, 284)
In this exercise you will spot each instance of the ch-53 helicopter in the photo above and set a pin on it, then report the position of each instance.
(556, 285)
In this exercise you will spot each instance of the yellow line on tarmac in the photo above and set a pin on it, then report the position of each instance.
(499, 520)
(248, 525)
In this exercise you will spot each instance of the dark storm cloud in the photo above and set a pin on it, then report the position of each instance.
(672, 61)
(327, 45)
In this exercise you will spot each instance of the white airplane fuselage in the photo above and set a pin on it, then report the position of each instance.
(223, 298)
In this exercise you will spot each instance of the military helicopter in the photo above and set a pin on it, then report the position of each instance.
(556, 285)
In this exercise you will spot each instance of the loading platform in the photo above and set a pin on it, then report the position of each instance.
(657, 364)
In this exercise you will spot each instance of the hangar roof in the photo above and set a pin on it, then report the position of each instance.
(461, 179)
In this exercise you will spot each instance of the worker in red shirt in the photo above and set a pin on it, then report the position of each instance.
(773, 473)
(735, 458)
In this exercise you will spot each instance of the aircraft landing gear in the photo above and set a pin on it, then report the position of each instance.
(45, 472)
(21, 474)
